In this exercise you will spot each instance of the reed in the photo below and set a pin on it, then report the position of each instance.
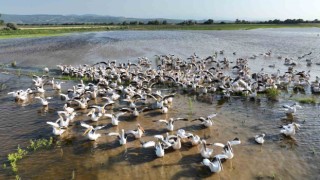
(272, 93)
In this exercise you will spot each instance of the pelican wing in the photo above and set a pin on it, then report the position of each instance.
(120, 114)
(286, 106)
(98, 127)
(126, 109)
(221, 156)
(149, 144)
(168, 96)
(212, 115)
(114, 134)
(162, 121)
(158, 136)
(236, 141)
(56, 125)
(108, 115)
(202, 119)
(219, 144)
(86, 125)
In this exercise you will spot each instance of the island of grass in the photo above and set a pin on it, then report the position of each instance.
(57, 30)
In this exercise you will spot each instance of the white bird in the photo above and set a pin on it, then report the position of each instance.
(215, 165)
(135, 112)
(227, 149)
(290, 129)
(94, 116)
(44, 102)
(169, 123)
(204, 151)
(92, 135)
(136, 133)
(68, 109)
(115, 117)
(102, 109)
(259, 138)
(62, 123)
(291, 109)
(57, 130)
(207, 122)
(160, 146)
(122, 137)
(194, 139)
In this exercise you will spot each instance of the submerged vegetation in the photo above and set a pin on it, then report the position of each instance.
(272, 93)
(306, 100)
(35, 145)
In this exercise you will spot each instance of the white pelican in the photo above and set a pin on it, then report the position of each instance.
(159, 147)
(101, 109)
(215, 165)
(135, 112)
(227, 149)
(290, 129)
(68, 109)
(136, 133)
(92, 135)
(259, 138)
(291, 109)
(115, 117)
(207, 122)
(44, 102)
(169, 123)
(122, 137)
(57, 130)
(94, 116)
(194, 139)
(62, 122)
(204, 151)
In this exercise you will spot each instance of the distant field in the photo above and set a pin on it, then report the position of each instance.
(39, 31)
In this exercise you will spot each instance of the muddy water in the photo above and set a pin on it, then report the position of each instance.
(76, 157)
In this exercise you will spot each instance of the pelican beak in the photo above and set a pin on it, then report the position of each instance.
(87, 131)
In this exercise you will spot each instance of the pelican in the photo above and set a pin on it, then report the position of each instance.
(259, 138)
(136, 133)
(135, 112)
(159, 147)
(62, 122)
(101, 109)
(115, 118)
(290, 129)
(291, 109)
(205, 152)
(93, 116)
(91, 131)
(122, 137)
(68, 109)
(44, 102)
(227, 149)
(215, 165)
(207, 122)
(169, 124)
(57, 130)
(194, 139)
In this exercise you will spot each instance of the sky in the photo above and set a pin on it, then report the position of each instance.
(172, 9)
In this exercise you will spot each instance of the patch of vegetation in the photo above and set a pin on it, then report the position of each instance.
(190, 105)
(14, 157)
(3, 86)
(272, 93)
(306, 100)
(14, 64)
(40, 144)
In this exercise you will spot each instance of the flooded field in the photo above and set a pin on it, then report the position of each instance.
(76, 157)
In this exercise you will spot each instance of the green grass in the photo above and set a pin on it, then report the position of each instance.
(40, 31)
(16, 156)
(306, 100)
(272, 93)
(35, 145)
(40, 144)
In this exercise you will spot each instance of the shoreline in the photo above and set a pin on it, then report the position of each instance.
(60, 30)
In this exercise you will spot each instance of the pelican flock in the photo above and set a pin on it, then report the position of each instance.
(117, 90)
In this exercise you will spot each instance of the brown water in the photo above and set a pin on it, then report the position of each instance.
(279, 157)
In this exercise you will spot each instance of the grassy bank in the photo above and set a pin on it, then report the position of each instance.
(39, 31)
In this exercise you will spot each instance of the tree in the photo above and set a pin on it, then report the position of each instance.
(1, 21)
(209, 21)
(12, 26)
(164, 22)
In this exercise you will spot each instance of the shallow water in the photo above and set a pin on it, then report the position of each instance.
(279, 157)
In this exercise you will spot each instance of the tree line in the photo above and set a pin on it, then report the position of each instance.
(277, 21)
